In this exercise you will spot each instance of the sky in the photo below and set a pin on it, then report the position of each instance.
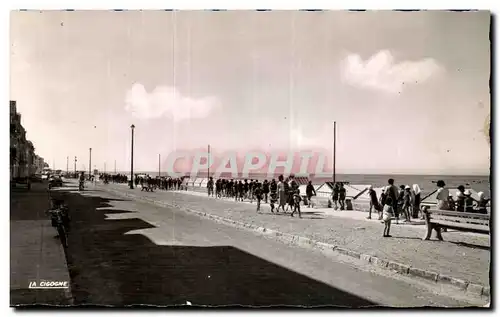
(409, 90)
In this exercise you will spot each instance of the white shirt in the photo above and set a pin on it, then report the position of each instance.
(442, 194)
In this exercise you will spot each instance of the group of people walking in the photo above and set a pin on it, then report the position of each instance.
(284, 194)
(116, 178)
(146, 182)
(165, 183)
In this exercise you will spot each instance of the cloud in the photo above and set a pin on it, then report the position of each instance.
(168, 102)
(380, 72)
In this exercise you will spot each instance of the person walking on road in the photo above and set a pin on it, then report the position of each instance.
(210, 187)
(388, 213)
(342, 195)
(273, 198)
(258, 195)
(281, 194)
(265, 190)
(310, 192)
(335, 195)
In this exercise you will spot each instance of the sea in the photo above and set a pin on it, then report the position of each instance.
(427, 183)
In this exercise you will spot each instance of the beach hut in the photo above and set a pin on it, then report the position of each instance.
(325, 189)
(197, 182)
(191, 182)
(204, 182)
(302, 180)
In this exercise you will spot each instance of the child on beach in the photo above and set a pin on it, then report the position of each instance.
(388, 213)
(296, 202)
(407, 204)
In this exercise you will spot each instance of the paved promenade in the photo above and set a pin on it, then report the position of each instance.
(462, 256)
(35, 255)
(126, 251)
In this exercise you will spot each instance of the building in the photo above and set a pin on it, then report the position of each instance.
(39, 164)
(22, 151)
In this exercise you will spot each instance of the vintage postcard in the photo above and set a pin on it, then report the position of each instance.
(250, 159)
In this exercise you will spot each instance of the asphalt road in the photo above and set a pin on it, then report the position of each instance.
(150, 255)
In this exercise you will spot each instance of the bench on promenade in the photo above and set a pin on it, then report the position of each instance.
(458, 220)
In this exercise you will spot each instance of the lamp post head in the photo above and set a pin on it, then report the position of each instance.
(132, 127)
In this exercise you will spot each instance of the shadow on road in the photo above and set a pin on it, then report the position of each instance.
(108, 267)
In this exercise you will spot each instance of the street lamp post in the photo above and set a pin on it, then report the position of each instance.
(75, 166)
(67, 166)
(90, 163)
(334, 147)
(208, 163)
(132, 159)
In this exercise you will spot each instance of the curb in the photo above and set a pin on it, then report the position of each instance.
(304, 242)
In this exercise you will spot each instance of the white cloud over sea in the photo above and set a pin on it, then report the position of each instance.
(381, 72)
(166, 101)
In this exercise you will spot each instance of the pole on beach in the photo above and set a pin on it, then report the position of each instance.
(67, 165)
(159, 166)
(75, 166)
(132, 159)
(208, 161)
(104, 167)
(334, 147)
(115, 166)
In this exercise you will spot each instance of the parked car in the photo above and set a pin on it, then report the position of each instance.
(37, 178)
(55, 181)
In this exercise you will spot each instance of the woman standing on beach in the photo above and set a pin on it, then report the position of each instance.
(416, 200)
(442, 196)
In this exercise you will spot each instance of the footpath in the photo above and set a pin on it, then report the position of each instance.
(462, 260)
(35, 255)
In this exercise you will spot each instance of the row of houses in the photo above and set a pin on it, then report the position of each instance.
(23, 160)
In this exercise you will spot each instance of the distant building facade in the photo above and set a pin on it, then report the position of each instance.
(22, 151)
(39, 164)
